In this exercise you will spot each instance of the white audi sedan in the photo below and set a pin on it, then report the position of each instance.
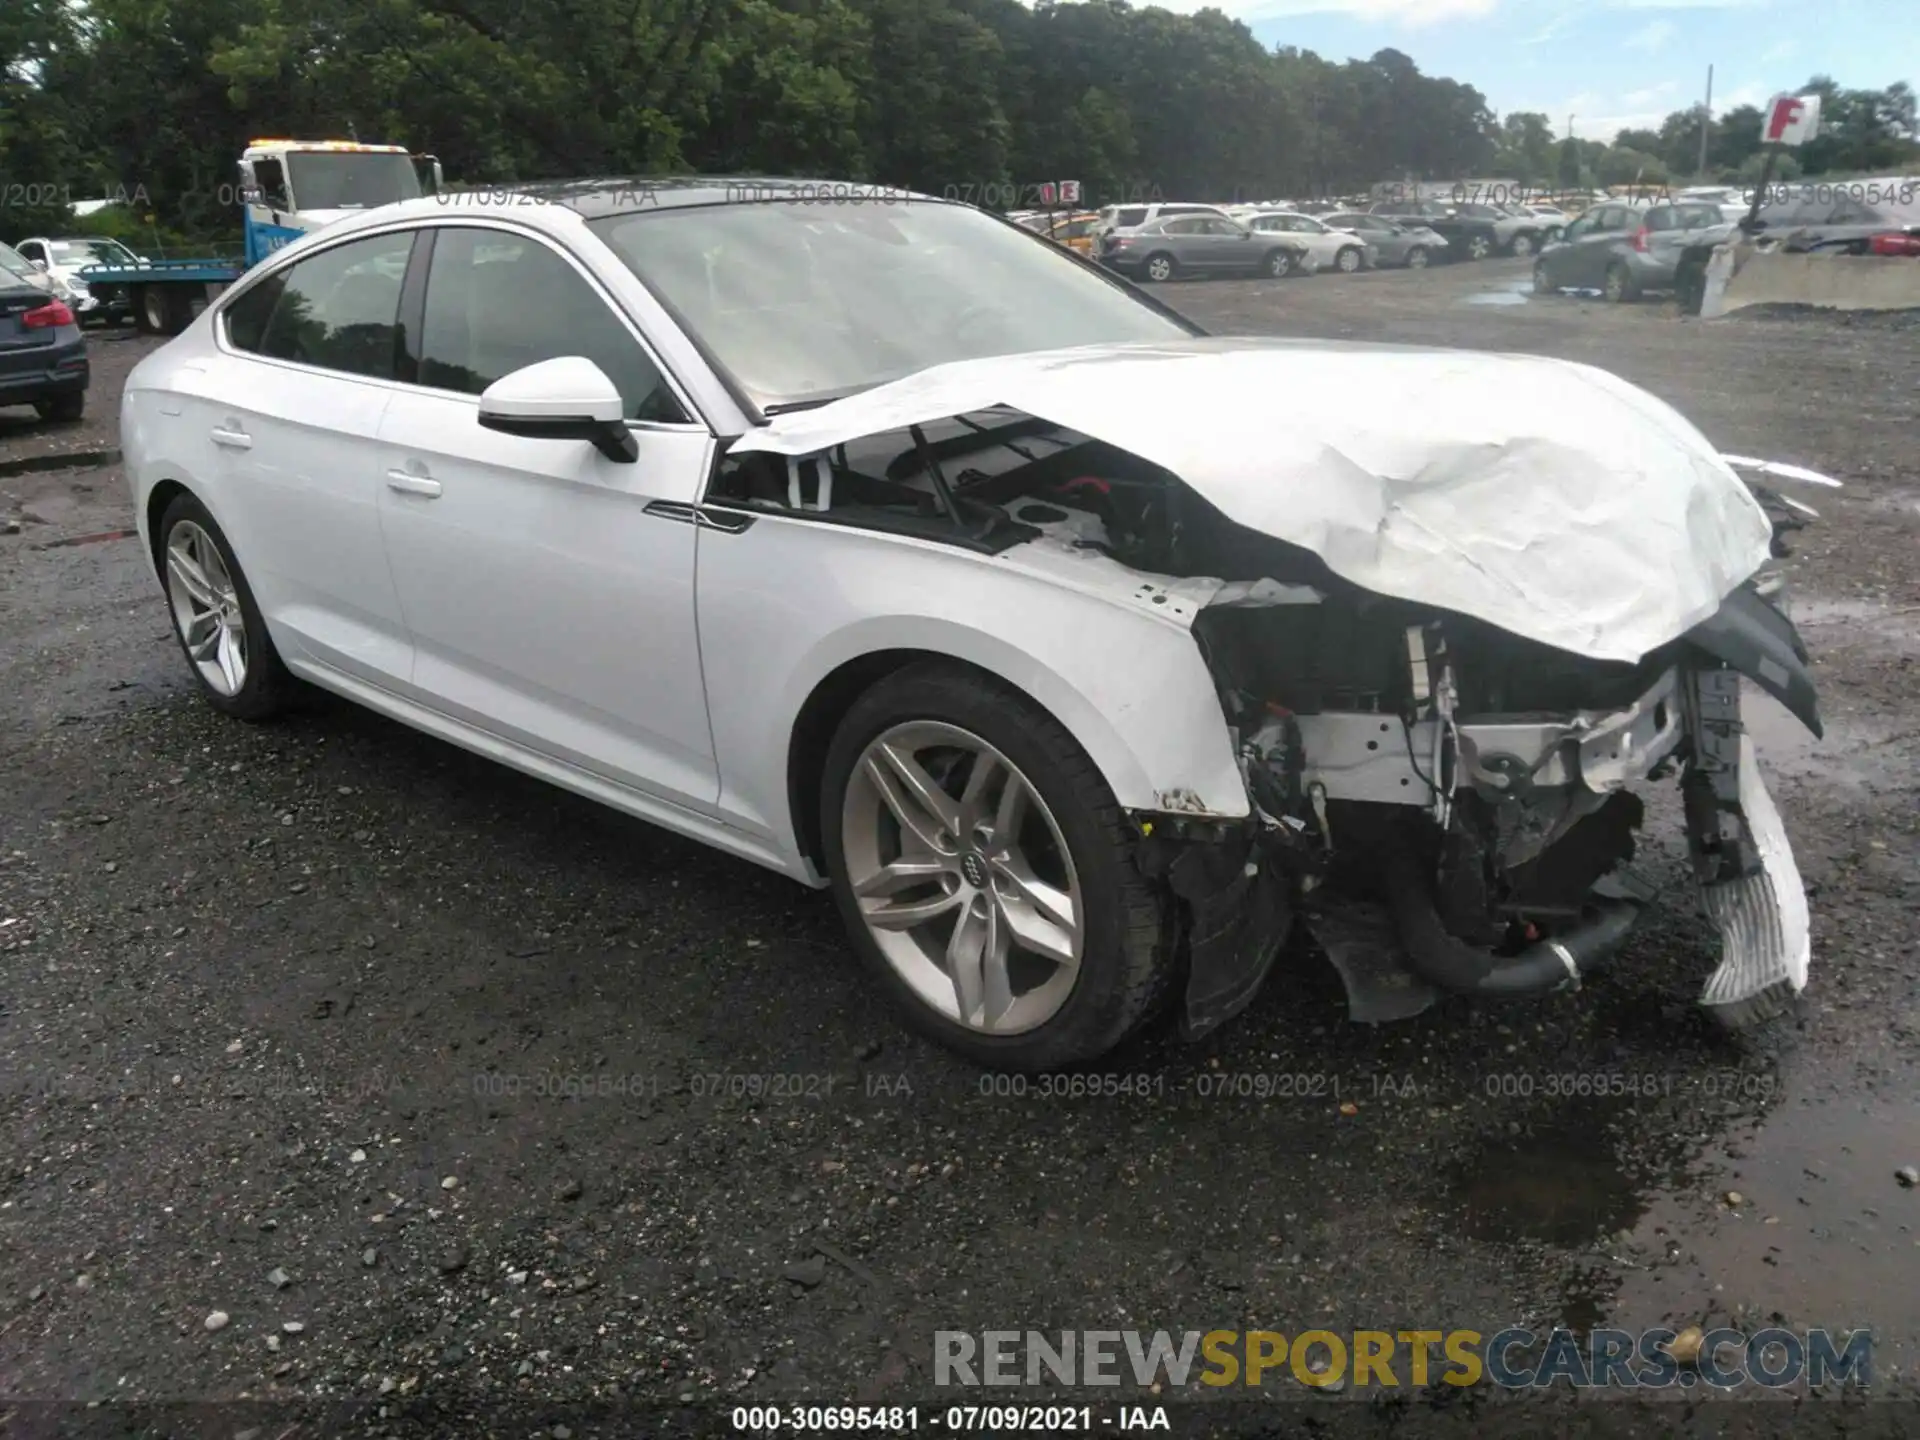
(878, 541)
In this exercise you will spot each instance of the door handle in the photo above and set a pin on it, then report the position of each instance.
(232, 439)
(409, 483)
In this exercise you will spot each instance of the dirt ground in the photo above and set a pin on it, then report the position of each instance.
(460, 1097)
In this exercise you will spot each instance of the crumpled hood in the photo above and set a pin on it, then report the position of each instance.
(1551, 499)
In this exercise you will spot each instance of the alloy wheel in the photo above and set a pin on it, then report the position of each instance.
(206, 608)
(1479, 247)
(1417, 258)
(1159, 268)
(1348, 260)
(1522, 246)
(963, 877)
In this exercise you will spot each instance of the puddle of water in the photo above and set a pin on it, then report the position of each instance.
(1569, 1185)
(1511, 292)
(1562, 1187)
(1824, 1234)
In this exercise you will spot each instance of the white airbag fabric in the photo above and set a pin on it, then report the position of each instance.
(1551, 499)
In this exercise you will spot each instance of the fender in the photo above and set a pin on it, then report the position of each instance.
(785, 603)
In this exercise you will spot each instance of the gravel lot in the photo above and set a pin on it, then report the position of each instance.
(328, 1023)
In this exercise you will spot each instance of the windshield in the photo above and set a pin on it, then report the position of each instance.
(90, 252)
(350, 180)
(805, 302)
(14, 263)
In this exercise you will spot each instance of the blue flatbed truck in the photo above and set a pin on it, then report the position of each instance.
(288, 188)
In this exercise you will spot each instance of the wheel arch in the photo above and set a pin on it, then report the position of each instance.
(1138, 764)
(158, 499)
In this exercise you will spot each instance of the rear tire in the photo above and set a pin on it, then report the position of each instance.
(268, 688)
(150, 309)
(1522, 246)
(1479, 247)
(1159, 269)
(1619, 286)
(1125, 952)
(1541, 284)
(62, 408)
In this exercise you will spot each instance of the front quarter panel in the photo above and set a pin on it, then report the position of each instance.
(787, 602)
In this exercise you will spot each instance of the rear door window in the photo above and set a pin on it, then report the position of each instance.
(340, 309)
(1133, 215)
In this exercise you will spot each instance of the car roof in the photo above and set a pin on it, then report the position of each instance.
(617, 195)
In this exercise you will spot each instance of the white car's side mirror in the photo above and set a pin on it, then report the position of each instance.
(566, 398)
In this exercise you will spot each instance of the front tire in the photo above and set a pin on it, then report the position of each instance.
(986, 875)
(1417, 258)
(1541, 284)
(1479, 247)
(1278, 265)
(1619, 284)
(215, 617)
(1347, 260)
(1522, 246)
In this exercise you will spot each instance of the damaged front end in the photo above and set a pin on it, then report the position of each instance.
(1445, 806)
(1448, 808)
(1447, 645)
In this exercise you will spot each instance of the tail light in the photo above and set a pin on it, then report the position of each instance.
(1639, 240)
(1895, 242)
(49, 316)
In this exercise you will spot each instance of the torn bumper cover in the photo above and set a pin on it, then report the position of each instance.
(1509, 877)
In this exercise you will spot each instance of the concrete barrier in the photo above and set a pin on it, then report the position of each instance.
(1739, 277)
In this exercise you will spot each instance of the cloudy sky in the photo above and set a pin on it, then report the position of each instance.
(1609, 64)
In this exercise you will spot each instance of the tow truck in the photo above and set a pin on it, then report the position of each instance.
(288, 188)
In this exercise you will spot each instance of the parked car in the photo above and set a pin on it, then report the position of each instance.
(1624, 251)
(1076, 232)
(1081, 654)
(65, 257)
(1193, 245)
(1412, 209)
(1391, 241)
(1501, 229)
(1851, 217)
(43, 355)
(1553, 218)
(1326, 247)
(1468, 236)
(1120, 219)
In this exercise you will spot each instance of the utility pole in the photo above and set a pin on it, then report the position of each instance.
(1706, 123)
